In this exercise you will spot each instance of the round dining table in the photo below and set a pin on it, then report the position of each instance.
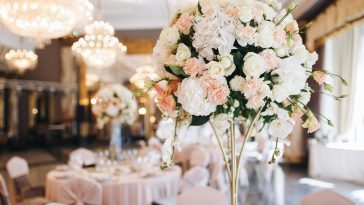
(132, 188)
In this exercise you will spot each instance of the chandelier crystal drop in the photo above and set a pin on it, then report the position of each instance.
(45, 19)
(99, 48)
(21, 60)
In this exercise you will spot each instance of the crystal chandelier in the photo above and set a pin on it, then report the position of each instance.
(44, 19)
(21, 60)
(99, 48)
(143, 75)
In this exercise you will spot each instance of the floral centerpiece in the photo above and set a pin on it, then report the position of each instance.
(116, 104)
(223, 60)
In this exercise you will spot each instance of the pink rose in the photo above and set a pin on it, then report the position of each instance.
(245, 34)
(193, 67)
(232, 11)
(319, 77)
(251, 87)
(219, 95)
(184, 23)
(270, 58)
(166, 104)
(292, 27)
(279, 36)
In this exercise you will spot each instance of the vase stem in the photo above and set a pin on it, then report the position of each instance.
(233, 187)
(115, 141)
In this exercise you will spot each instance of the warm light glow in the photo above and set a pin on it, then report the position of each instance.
(142, 75)
(93, 101)
(142, 111)
(152, 119)
(92, 80)
(44, 19)
(99, 48)
(34, 111)
(21, 60)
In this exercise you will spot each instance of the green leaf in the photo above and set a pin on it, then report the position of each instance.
(149, 84)
(199, 120)
(178, 71)
(137, 94)
(328, 87)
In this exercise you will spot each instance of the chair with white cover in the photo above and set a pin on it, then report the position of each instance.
(326, 197)
(195, 177)
(199, 157)
(202, 196)
(81, 191)
(18, 170)
(82, 156)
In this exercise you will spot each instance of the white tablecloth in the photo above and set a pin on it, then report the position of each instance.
(336, 161)
(128, 189)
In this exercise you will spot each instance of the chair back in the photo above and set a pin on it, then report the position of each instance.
(81, 191)
(199, 157)
(82, 156)
(4, 194)
(17, 167)
(326, 197)
(195, 177)
(202, 195)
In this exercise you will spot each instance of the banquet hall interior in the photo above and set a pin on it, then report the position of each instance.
(59, 57)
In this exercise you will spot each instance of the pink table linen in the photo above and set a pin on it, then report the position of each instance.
(127, 189)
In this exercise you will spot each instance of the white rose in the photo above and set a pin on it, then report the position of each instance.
(254, 65)
(245, 14)
(215, 69)
(265, 37)
(311, 59)
(227, 62)
(220, 123)
(112, 111)
(300, 53)
(281, 52)
(280, 92)
(191, 96)
(169, 36)
(280, 128)
(183, 53)
(237, 83)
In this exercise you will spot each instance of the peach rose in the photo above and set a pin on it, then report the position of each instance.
(270, 58)
(184, 23)
(167, 104)
(161, 88)
(246, 34)
(319, 77)
(257, 14)
(232, 11)
(193, 67)
(208, 82)
(219, 95)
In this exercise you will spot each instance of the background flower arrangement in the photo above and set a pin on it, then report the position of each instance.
(222, 60)
(114, 103)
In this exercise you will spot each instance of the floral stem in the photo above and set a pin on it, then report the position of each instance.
(246, 139)
(222, 151)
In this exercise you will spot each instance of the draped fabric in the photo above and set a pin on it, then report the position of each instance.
(81, 191)
(14, 114)
(336, 16)
(342, 57)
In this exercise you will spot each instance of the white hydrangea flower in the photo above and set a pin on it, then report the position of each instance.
(192, 97)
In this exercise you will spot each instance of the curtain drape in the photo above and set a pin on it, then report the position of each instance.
(342, 57)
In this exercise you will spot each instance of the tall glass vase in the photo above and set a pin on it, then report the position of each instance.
(116, 140)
